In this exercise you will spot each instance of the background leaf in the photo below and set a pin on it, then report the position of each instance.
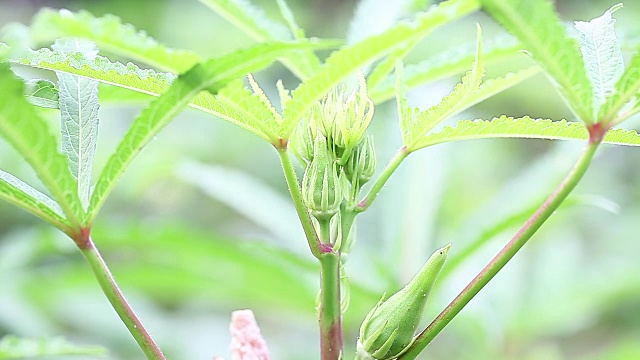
(548, 43)
(12, 347)
(21, 126)
(111, 35)
(42, 93)
(253, 21)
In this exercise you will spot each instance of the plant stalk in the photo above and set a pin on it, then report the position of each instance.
(118, 301)
(329, 311)
(510, 249)
(382, 179)
(296, 195)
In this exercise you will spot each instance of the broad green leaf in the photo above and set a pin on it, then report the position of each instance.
(79, 119)
(627, 89)
(343, 62)
(14, 348)
(445, 64)
(602, 55)
(212, 76)
(537, 26)
(234, 104)
(525, 127)
(29, 134)
(17, 192)
(415, 127)
(42, 93)
(253, 21)
(111, 35)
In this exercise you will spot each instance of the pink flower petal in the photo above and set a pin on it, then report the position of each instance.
(246, 341)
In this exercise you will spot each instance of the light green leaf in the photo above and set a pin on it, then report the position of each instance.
(42, 93)
(493, 86)
(386, 66)
(550, 46)
(211, 75)
(445, 64)
(250, 19)
(525, 127)
(234, 104)
(29, 134)
(4, 51)
(17, 192)
(253, 21)
(602, 55)
(456, 101)
(111, 35)
(343, 62)
(627, 89)
(79, 119)
(14, 348)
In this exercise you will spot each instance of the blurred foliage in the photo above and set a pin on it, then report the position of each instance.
(187, 252)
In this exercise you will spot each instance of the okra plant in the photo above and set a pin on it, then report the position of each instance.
(318, 128)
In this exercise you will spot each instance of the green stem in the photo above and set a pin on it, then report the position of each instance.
(330, 315)
(296, 195)
(382, 179)
(500, 260)
(117, 300)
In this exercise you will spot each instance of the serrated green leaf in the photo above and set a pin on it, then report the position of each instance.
(111, 35)
(14, 348)
(17, 192)
(456, 101)
(42, 93)
(602, 55)
(343, 62)
(79, 120)
(493, 86)
(29, 134)
(525, 127)
(546, 39)
(212, 76)
(627, 89)
(253, 21)
(445, 64)
(236, 104)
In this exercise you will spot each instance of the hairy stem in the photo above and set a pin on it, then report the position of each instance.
(296, 195)
(509, 250)
(382, 179)
(117, 300)
(329, 311)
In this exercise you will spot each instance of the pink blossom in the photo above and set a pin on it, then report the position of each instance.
(246, 341)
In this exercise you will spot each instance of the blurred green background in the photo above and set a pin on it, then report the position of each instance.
(201, 224)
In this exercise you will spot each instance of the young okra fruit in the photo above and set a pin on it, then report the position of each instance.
(389, 328)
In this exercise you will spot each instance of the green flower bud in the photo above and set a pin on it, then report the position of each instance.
(353, 121)
(321, 187)
(362, 164)
(389, 328)
(302, 143)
